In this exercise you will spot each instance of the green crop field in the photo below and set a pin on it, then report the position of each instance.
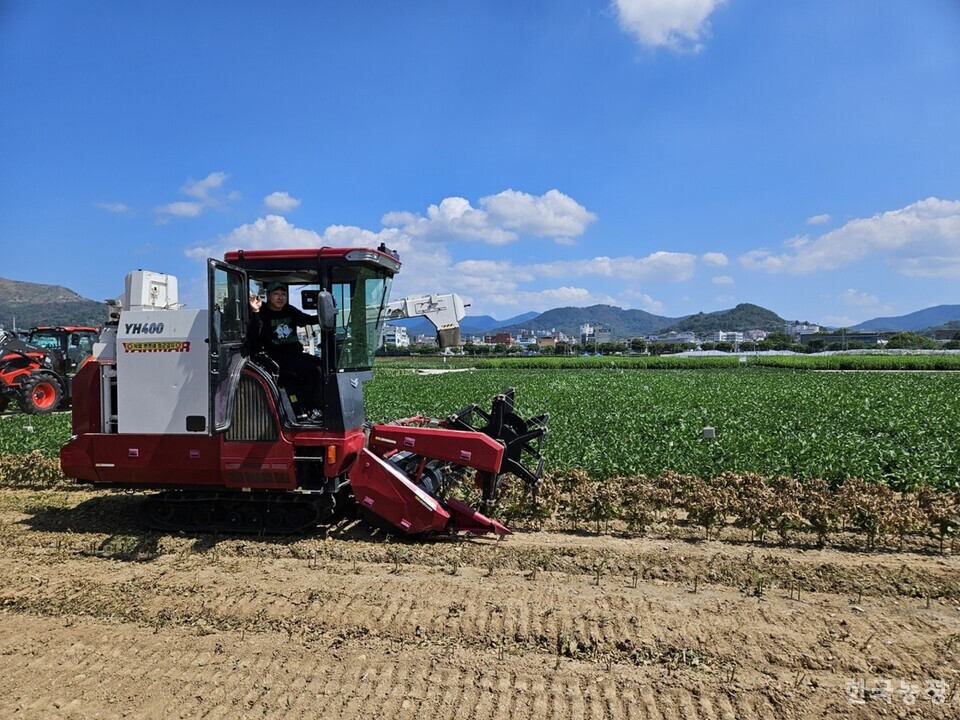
(899, 428)
(902, 429)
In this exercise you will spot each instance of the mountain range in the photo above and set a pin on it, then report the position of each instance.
(930, 317)
(29, 304)
(638, 323)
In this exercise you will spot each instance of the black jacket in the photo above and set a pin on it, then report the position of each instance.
(275, 331)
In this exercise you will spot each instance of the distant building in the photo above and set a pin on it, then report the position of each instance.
(424, 340)
(674, 337)
(591, 334)
(796, 329)
(500, 339)
(730, 337)
(395, 335)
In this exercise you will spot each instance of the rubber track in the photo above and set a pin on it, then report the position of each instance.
(233, 512)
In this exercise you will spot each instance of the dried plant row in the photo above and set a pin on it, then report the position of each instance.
(791, 509)
(760, 505)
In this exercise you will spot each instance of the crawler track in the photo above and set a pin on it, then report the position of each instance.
(234, 512)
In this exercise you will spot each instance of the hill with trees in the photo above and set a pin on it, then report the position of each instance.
(621, 323)
(27, 305)
(739, 319)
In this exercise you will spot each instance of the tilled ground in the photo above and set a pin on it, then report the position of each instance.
(101, 620)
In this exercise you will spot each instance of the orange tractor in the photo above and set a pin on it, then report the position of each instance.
(37, 373)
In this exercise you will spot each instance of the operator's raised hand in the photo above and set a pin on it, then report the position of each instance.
(255, 302)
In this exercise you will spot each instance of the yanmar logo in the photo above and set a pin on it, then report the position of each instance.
(160, 346)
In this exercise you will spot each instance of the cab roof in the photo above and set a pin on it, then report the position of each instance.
(304, 258)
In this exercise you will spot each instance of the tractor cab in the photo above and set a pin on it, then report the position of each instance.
(67, 346)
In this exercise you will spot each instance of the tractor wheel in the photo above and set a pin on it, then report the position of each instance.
(4, 401)
(40, 394)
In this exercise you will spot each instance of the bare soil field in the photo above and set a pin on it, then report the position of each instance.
(99, 619)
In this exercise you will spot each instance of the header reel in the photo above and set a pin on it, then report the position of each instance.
(521, 439)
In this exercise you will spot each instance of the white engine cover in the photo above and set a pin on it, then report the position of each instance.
(163, 381)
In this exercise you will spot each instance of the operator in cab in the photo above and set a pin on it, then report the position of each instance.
(273, 330)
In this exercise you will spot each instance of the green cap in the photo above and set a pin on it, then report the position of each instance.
(275, 285)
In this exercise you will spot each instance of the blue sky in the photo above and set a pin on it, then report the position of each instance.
(667, 155)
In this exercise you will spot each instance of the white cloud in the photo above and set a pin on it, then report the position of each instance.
(491, 269)
(500, 218)
(660, 265)
(764, 260)
(205, 194)
(725, 298)
(454, 217)
(421, 240)
(425, 244)
(818, 219)
(202, 189)
(722, 280)
(541, 300)
(352, 236)
(716, 258)
(921, 240)
(642, 300)
(181, 209)
(679, 25)
(852, 297)
(501, 282)
(552, 214)
(280, 202)
(272, 231)
(119, 208)
(426, 267)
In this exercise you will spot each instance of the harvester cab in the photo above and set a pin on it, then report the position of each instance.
(179, 400)
(348, 289)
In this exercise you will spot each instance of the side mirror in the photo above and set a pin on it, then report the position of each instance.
(323, 302)
(326, 310)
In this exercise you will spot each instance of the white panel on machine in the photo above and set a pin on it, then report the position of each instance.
(163, 381)
(145, 290)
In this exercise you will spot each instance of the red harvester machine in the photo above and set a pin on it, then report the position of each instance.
(172, 399)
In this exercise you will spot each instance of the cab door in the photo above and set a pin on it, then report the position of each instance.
(229, 313)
